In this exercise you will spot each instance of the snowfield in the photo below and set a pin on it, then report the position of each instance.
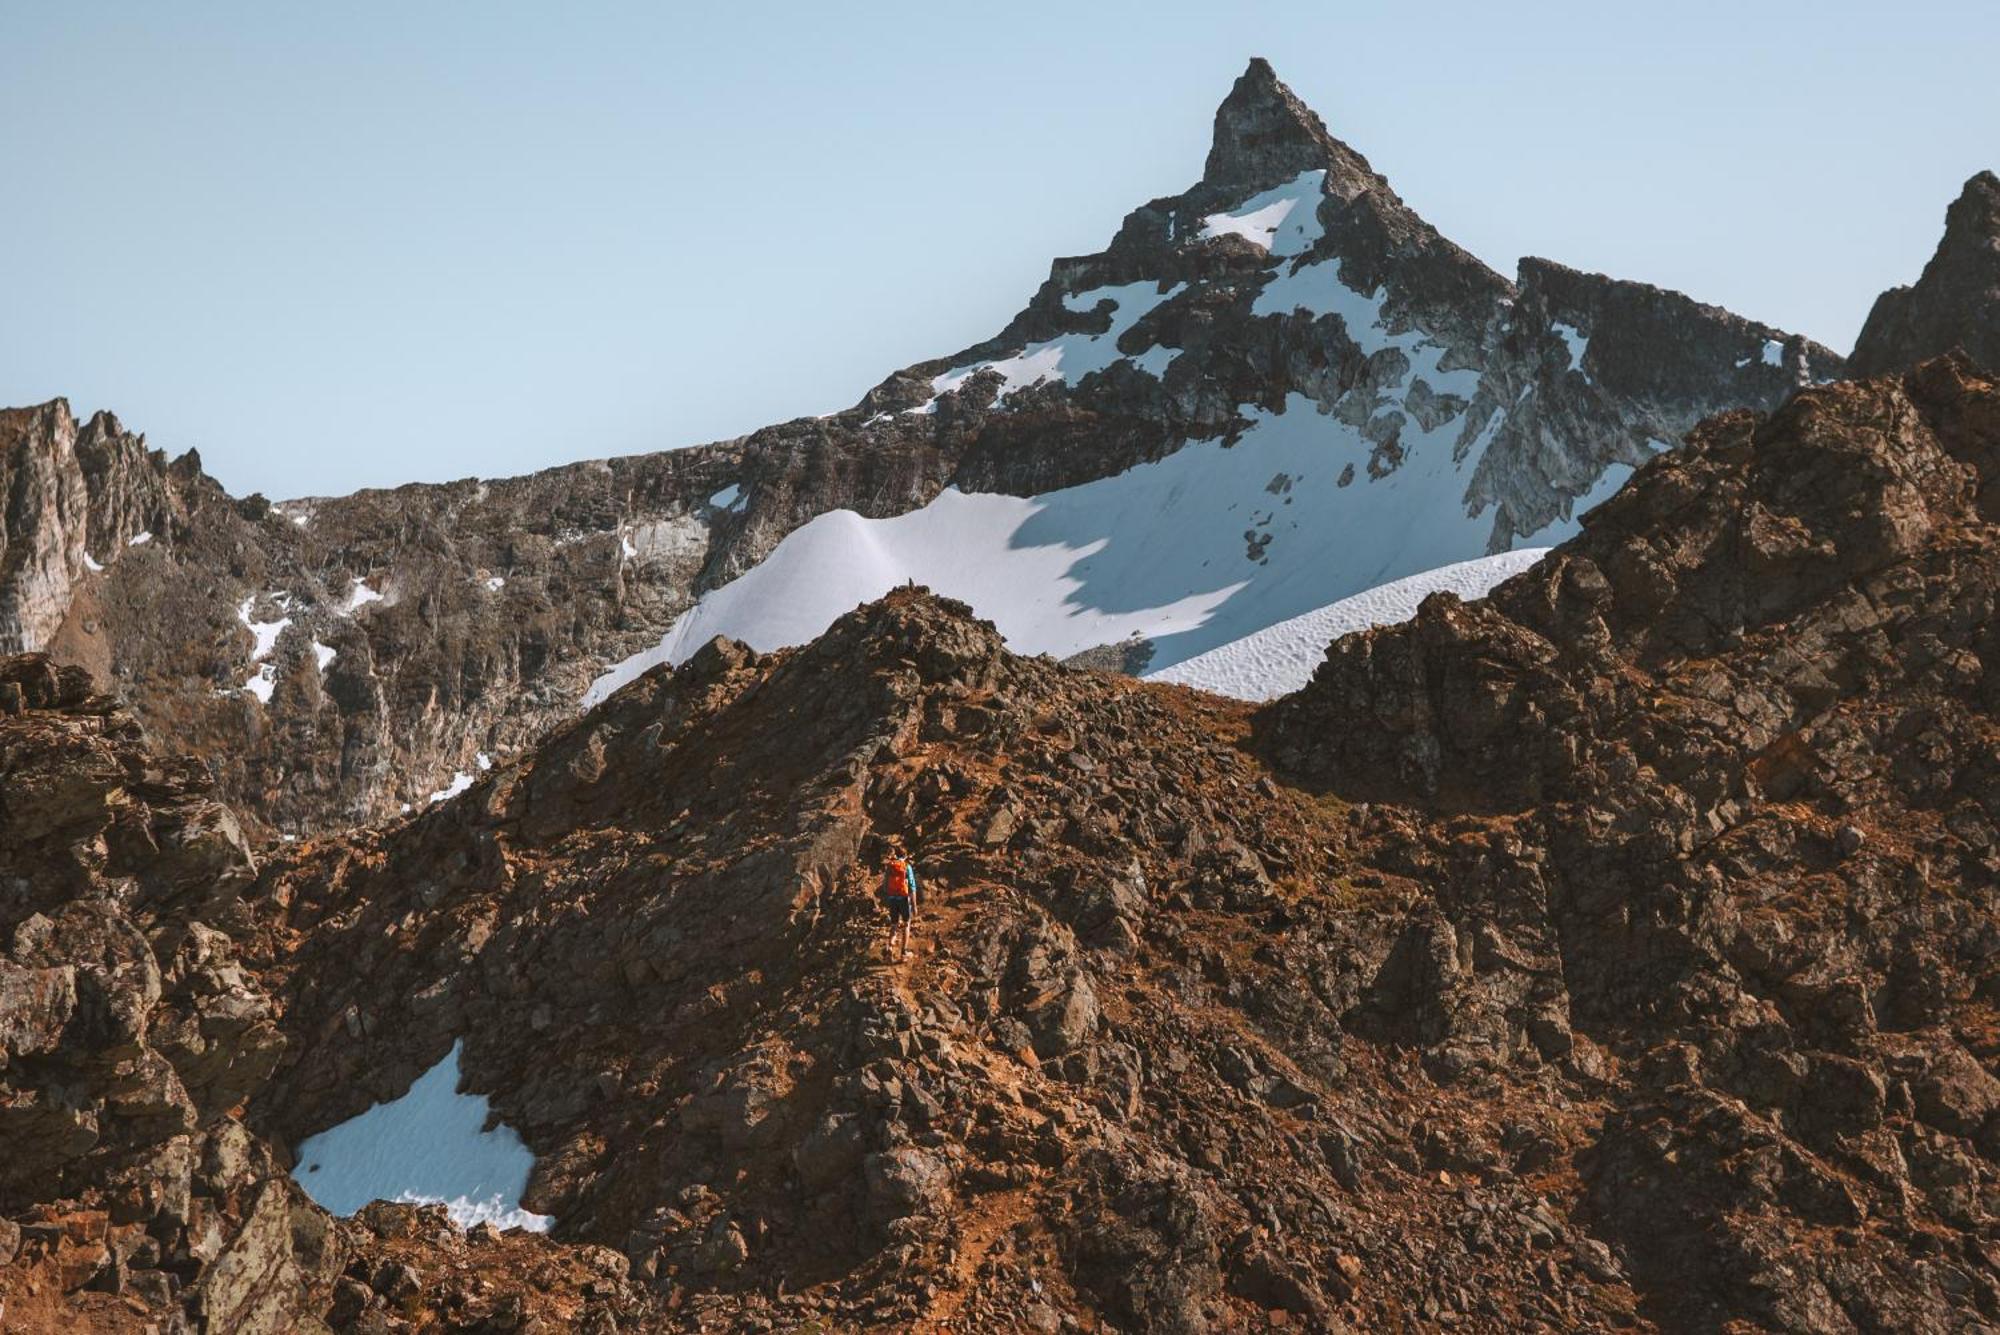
(429, 1148)
(1193, 551)
(1280, 659)
(1284, 220)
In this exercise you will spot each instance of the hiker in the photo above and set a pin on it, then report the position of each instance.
(899, 893)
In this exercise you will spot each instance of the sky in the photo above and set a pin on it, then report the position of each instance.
(357, 245)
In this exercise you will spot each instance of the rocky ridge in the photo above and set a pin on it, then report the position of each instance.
(1614, 952)
(416, 630)
(133, 1196)
(1955, 304)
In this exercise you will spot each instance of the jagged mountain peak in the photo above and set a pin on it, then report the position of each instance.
(1972, 223)
(1977, 205)
(1265, 135)
(1955, 304)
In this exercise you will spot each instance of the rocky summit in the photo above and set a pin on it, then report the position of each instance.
(1302, 388)
(1955, 305)
(1615, 952)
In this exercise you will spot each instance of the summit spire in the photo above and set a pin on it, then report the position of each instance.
(1956, 302)
(1264, 135)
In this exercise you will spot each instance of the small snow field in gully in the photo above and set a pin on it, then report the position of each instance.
(428, 1147)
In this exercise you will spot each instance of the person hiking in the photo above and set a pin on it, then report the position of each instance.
(899, 894)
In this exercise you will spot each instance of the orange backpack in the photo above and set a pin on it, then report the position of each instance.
(895, 879)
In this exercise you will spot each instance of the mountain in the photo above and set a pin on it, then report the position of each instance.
(1955, 305)
(1612, 952)
(1274, 391)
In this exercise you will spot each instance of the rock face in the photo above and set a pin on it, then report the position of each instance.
(1955, 305)
(406, 633)
(1612, 953)
(1727, 762)
(132, 1194)
(67, 493)
(42, 543)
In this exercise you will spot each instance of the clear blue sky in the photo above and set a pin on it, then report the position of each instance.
(358, 244)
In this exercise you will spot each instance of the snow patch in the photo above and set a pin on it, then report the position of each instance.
(1320, 289)
(494, 583)
(1283, 220)
(460, 781)
(262, 682)
(1155, 360)
(323, 654)
(265, 633)
(1772, 354)
(1281, 658)
(1067, 357)
(139, 539)
(359, 595)
(90, 564)
(1577, 342)
(427, 1147)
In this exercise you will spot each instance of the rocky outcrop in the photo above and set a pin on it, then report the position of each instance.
(1591, 373)
(1265, 136)
(132, 1194)
(42, 528)
(1725, 763)
(1955, 305)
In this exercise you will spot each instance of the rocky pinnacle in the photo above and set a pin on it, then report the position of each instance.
(1955, 304)
(1264, 135)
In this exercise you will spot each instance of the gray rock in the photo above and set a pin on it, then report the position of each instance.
(905, 1181)
(1955, 305)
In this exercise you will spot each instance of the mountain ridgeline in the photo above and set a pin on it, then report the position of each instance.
(1334, 394)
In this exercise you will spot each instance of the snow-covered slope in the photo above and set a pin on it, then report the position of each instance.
(1280, 659)
(1193, 551)
(429, 1147)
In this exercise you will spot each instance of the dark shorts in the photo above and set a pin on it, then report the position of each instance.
(899, 908)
